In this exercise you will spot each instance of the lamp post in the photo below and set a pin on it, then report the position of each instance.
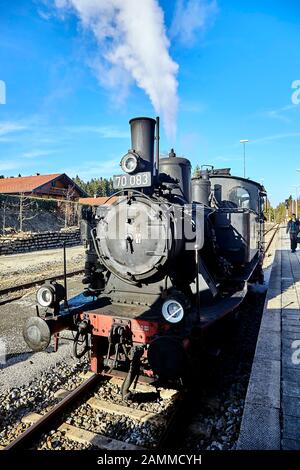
(298, 169)
(244, 142)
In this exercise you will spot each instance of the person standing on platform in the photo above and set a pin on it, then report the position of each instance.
(293, 229)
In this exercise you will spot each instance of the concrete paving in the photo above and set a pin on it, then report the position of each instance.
(271, 418)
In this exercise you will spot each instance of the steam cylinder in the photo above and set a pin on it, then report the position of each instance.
(142, 139)
(177, 170)
(201, 188)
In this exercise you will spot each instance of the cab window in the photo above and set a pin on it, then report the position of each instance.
(240, 196)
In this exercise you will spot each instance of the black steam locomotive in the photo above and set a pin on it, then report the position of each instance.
(166, 257)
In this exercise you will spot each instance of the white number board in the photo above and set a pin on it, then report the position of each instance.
(132, 181)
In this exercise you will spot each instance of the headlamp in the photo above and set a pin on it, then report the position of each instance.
(130, 162)
(172, 311)
(50, 294)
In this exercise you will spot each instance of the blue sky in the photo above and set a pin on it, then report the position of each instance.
(236, 61)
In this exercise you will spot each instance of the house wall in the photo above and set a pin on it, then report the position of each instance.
(58, 189)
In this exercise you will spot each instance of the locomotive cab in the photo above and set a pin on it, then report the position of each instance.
(238, 220)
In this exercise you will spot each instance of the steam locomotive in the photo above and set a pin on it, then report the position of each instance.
(166, 257)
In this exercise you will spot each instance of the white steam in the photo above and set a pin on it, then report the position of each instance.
(132, 45)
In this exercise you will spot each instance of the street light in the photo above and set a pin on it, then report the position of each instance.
(244, 142)
(297, 169)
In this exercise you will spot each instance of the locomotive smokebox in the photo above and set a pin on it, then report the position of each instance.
(142, 139)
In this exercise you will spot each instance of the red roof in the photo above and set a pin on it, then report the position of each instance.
(97, 201)
(24, 184)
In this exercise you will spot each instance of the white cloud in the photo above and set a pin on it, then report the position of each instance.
(228, 159)
(39, 133)
(191, 17)
(105, 132)
(7, 127)
(281, 113)
(9, 165)
(270, 138)
(8, 139)
(16, 164)
(95, 169)
(44, 14)
(38, 153)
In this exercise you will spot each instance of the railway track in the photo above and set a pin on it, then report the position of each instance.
(28, 285)
(274, 231)
(57, 418)
(274, 226)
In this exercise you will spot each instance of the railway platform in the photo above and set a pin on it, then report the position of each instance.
(271, 418)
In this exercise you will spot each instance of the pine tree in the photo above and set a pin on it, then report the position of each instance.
(197, 171)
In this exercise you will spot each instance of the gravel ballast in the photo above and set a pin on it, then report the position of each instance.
(36, 397)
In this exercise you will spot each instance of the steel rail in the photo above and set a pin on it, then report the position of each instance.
(31, 434)
(28, 285)
(47, 419)
(270, 229)
(276, 228)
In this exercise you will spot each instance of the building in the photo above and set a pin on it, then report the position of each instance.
(97, 201)
(57, 186)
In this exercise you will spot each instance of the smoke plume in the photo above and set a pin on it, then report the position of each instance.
(132, 46)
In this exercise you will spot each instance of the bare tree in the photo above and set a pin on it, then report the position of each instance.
(24, 208)
(21, 212)
(69, 209)
(4, 206)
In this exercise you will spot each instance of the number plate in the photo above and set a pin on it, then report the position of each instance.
(140, 180)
